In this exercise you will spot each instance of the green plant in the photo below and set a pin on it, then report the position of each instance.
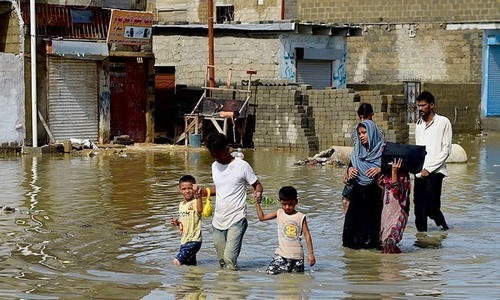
(266, 201)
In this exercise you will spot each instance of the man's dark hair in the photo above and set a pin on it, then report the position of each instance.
(216, 142)
(288, 193)
(426, 96)
(365, 109)
(187, 178)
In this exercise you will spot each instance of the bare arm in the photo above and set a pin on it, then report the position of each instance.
(261, 215)
(310, 257)
(396, 165)
(257, 191)
(199, 203)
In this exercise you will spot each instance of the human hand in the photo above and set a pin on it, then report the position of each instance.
(352, 172)
(311, 259)
(396, 164)
(345, 178)
(380, 181)
(257, 195)
(199, 191)
(372, 172)
(425, 173)
(174, 222)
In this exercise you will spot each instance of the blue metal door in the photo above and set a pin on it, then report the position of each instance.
(493, 95)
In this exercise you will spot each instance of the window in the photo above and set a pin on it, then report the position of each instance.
(224, 14)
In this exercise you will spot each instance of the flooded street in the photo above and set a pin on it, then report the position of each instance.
(98, 227)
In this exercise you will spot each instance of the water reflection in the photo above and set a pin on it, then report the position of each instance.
(97, 227)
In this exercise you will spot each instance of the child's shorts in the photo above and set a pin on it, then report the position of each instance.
(280, 264)
(187, 253)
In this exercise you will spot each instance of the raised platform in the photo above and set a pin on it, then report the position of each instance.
(491, 124)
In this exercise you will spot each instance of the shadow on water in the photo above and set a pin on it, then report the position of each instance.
(98, 227)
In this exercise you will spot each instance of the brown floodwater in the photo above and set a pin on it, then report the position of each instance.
(98, 227)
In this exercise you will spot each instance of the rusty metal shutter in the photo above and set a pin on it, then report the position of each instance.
(315, 72)
(493, 79)
(165, 82)
(72, 98)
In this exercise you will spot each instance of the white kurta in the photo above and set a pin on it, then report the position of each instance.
(437, 139)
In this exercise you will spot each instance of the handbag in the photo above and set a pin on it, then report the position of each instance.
(207, 209)
(347, 191)
(413, 156)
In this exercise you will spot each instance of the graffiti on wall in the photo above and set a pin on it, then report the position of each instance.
(288, 60)
(339, 79)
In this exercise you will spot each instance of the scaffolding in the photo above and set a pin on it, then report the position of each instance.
(219, 111)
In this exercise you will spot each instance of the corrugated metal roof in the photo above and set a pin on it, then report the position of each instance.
(56, 21)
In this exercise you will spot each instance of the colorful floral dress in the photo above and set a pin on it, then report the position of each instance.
(396, 206)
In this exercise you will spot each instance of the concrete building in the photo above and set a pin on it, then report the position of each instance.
(450, 48)
(87, 88)
(12, 60)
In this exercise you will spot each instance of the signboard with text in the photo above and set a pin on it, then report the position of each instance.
(130, 27)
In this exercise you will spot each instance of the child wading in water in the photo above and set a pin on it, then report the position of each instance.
(189, 222)
(396, 184)
(289, 257)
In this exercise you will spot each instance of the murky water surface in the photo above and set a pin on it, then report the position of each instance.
(99, 228)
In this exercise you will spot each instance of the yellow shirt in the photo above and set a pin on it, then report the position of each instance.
(190, 222)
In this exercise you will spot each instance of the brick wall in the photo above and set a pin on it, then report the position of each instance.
(283, 119)
(244, 11)
(408, 40)
(374, 11)
(288, 116)
(389, 55)
(190, 56)
(11, 41)
(458, 102)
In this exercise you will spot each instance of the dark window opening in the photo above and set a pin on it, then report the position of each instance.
(224, 14)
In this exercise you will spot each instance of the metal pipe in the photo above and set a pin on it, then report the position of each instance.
(282, 9)
(34, 109)
(211, 71)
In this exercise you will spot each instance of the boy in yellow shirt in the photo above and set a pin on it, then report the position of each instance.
(189, 222)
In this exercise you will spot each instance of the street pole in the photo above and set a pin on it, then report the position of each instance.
(282, 9)
(211, 64)
(34, 109)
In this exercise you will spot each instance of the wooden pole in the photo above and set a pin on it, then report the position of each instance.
(211, 71)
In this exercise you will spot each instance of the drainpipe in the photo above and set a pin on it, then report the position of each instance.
(34, 108)
(282, 9)
(211, 64)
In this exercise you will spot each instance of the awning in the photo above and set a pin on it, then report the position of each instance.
(259, 28)
(80, 50)
(480, 26)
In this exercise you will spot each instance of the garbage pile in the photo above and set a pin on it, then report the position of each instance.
(337, 156)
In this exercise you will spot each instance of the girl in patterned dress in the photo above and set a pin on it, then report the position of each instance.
(396, 206)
